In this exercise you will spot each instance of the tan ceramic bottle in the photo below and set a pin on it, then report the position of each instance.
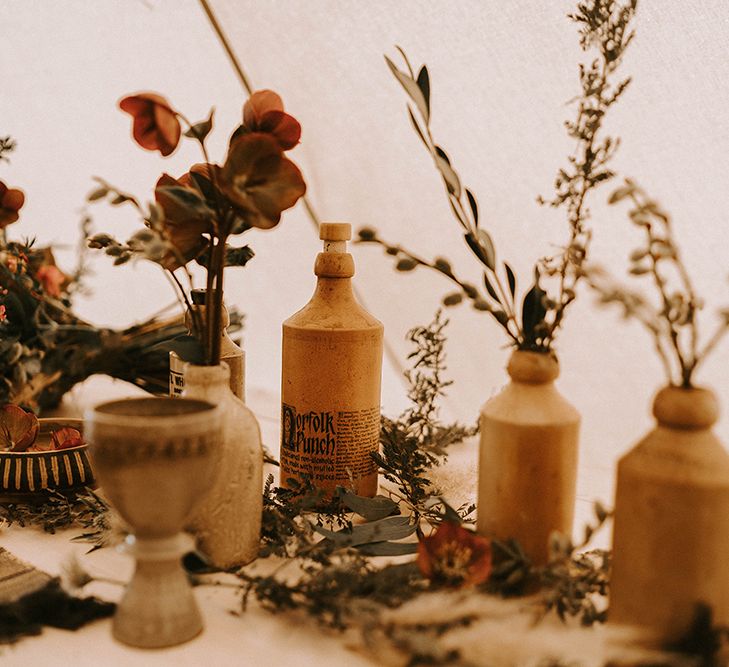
(230, 353)
(671, 530)
(528, 458)
(331, 377)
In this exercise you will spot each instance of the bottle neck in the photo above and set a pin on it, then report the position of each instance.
(224, 322)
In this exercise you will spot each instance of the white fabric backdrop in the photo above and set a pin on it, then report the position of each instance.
(501, 73)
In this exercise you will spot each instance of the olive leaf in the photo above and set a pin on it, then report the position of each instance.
(511, 278)
(474, 206)
(453, 183)
(483, 247)
(411, 88)
(490, 288)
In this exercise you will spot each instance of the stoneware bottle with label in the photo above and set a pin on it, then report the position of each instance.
(226, 520)
(230, 353)
(331, 379)
(528, 457)
(671, 529)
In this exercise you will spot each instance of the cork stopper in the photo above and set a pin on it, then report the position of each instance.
(334, 261)
(692, 408)
(335, 231)
(532, 367)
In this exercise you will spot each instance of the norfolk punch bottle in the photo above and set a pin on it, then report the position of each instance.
(331, 379)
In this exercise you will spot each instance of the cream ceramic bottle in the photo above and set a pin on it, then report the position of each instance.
(230, 353)
(331, 379)
(528, 457)
(671, 526)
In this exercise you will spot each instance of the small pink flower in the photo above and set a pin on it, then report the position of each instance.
(52, 279)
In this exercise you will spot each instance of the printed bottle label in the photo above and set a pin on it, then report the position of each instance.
(330, 447)
(177, 377)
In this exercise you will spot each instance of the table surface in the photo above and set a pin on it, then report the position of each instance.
(255, 637)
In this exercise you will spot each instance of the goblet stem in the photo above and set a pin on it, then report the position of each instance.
(158, 608)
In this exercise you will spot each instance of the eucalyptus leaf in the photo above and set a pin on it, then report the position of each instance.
(371, 509)
(391, 528)
(388, 548)
(411, 88)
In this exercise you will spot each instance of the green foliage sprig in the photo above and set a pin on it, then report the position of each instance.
(417, 440)
(671, 319)
(58, 511)
(604, 25)
(531, 324)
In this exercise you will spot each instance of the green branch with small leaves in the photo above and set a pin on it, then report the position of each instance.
(672, 320)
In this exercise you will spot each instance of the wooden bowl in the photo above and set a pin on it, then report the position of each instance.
(25, 476)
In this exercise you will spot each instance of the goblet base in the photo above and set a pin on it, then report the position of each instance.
(158, 608)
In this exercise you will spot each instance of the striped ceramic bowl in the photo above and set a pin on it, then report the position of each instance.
(25, 475)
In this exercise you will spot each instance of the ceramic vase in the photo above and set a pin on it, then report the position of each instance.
(671, 530)
(528, 457)
(154, 457)
(227, 519)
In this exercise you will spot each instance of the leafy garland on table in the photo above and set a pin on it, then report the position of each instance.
(320, 559)
(338, 583)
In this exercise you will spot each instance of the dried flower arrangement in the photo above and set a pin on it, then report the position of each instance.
(194, 216)
(45, 348)
(604, 27)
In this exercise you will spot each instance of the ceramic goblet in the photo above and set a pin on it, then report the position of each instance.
(154, 458)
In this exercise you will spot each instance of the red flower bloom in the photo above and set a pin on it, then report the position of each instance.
(52, 279)
(156, 127)
(455, 556)
(18, 428)
(263, 112)
(11, 201)
(3, 316)
(66, 437)
(259, 181)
